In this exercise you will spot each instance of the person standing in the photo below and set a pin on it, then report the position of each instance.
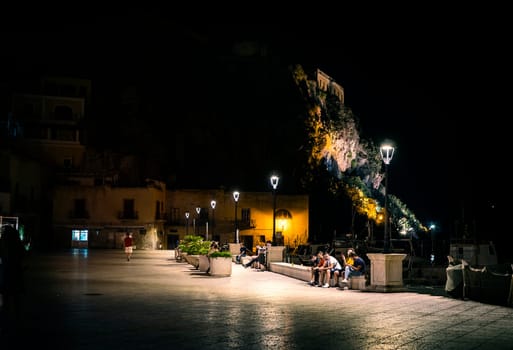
(129, 249)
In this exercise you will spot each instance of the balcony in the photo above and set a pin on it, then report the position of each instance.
(79, 214)
(128, 215)
(161, 216)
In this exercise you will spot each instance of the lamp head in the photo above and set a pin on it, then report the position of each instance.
(236, 196)
(187, 214)
(387, 152)
(274, 181)
(213, 204)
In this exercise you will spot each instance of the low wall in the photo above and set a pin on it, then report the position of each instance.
(295, 271)
(303, 273)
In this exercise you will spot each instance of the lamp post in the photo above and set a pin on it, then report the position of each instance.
(236, 199)
(274, 183)
(213, 205)
(432, 232)
(198, 210)
(187, 222)
(387, 152)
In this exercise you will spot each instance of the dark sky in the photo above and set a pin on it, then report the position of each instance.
(436, 81)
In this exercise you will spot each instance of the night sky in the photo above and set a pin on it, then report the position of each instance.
(435, 82)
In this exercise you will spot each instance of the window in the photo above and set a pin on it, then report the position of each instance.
(68, 163)
(63, 113)
(28, 111)
(158, 213)
(82, 91)
(175, 216)
(79, 208)
(64, 134)
(79, 235)
(246, 216)
(129, 209)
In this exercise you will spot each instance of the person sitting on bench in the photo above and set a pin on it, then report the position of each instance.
(357, 269)
(257, 259)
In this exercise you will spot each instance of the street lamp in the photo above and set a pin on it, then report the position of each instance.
(387, 152)
(236, 199)
(187, 222)
(198, 210)
(274, 183)
(213, 205)
(432, 232)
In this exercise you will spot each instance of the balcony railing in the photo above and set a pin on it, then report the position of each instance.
(161, 216)
(80, 214)
(128, 215)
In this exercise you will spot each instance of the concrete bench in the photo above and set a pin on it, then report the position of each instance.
(296, 271)
(357, 282)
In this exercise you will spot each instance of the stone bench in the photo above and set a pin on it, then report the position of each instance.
(296, 271)
(357, 282)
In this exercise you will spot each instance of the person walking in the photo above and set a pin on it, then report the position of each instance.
(129, 249)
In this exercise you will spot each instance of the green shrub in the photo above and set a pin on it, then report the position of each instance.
(221, 255)
(194, 245)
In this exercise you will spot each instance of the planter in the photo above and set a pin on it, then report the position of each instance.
(204, 263)
(276, 254)
(220, 266)
(182, 257)
(386, 272)
(193, 260)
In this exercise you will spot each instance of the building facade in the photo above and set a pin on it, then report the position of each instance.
(87, 199)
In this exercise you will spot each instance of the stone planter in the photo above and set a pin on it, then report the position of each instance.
(386, 272)
(204, 263)
(276, 254)
(234, 249)
(181, 257)
(193, 260)
(220, 266)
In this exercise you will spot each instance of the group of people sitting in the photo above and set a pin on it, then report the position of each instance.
(326, 267)
(258, 260)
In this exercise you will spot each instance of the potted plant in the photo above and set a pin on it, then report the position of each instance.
(220, 264)
(194, 246)
(204, 263)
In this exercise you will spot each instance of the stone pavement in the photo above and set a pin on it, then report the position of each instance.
(95, 299)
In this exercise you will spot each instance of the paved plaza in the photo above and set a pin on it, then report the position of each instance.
(95, 299)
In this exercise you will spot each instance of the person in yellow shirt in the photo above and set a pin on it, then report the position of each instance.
(345, 261)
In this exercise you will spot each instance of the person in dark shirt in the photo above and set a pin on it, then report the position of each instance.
(259, 258)
(317, 263)
(243, 252)
(357, 269)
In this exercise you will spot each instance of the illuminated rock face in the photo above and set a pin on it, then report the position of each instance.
(335, 143)
(334, 129)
